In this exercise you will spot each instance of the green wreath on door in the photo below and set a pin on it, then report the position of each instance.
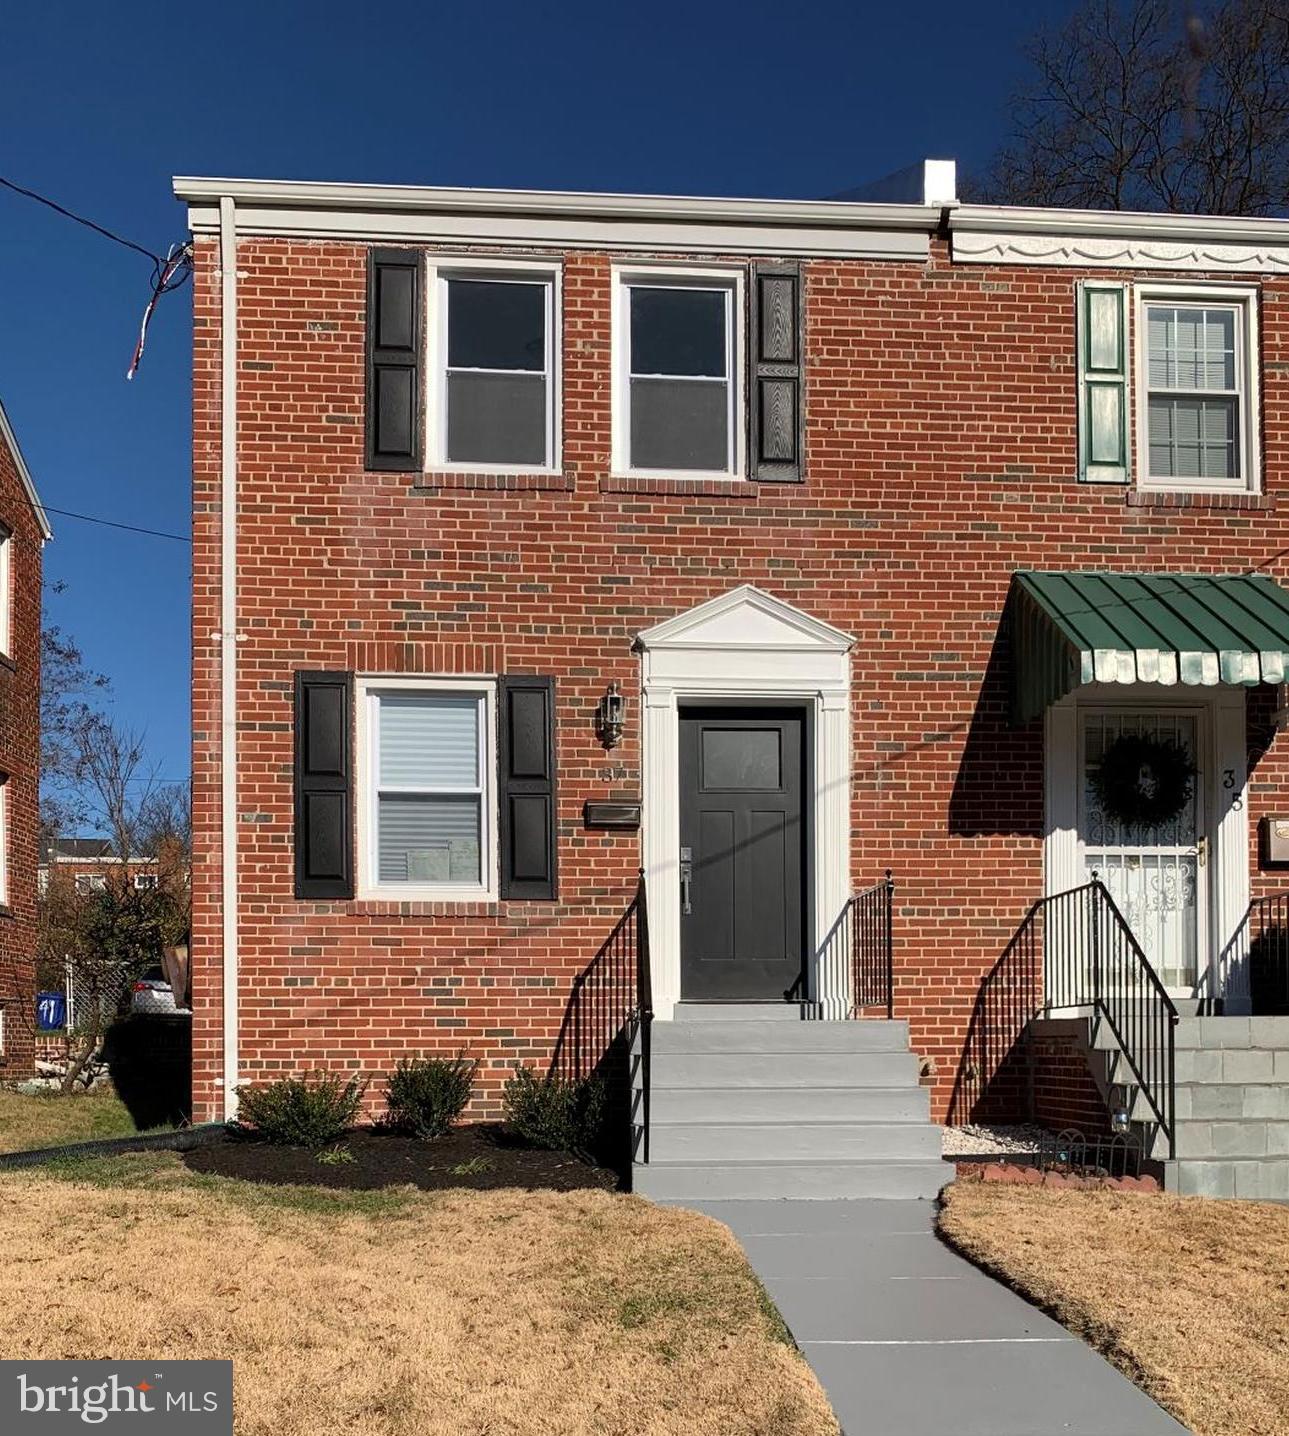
(1143, 781)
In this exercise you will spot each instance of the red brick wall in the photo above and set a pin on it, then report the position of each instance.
(20, 763)
(1065, 1093)
(941, 456)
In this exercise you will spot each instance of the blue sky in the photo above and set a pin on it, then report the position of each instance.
(101, 104)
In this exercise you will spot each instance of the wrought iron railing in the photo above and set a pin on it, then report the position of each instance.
(605, 1033)
(1073, 950)
(870, 947)
(1268, 955)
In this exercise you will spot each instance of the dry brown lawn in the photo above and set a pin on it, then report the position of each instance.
(1189, 1297)
(48, 1119)
(400, 1313)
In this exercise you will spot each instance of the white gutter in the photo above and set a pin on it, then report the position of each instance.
(227, 639)
(1119, 224)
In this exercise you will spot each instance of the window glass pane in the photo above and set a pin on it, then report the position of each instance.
(741, 758)
(428, 840)
(1190, 348)
(1159, 343)
(497, 419)
(678, 331)
(492, 325)
(679, 424)
(429, 741)
(1193, 438)
(1219, 350)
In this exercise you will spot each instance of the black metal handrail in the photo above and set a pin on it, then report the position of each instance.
(1268, 955)
(870, 947)
(1073, 950)
(606, 1025)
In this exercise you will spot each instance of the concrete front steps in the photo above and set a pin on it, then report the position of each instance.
(1232, 1088)
(753, 1100)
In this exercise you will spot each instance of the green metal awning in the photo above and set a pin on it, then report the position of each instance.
(1068, 629)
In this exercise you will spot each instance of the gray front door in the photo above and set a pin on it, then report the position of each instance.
(742, 852)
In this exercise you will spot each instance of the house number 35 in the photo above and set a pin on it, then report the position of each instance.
(1228, 783)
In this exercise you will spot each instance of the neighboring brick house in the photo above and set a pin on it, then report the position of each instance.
(469, 465)
(24, 530)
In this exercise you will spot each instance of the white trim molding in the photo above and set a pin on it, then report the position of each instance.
(1004, 234)
(746, 646)
(10, 441)
(565, 220)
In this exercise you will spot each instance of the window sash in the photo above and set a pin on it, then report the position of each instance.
(623, 395)
(441, 371)
(1242, 449)
(480, 791)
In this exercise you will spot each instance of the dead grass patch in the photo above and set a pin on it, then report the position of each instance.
(1188, 1297)
(390, 1313)
(30, 1120)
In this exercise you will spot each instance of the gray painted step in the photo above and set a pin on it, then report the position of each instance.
(1212, 1032)
(796, 1069)
(1265, 1180)
(806, 1141)
(742, 1012)
(791, 1104)
(774, 1038)
(810, 1181)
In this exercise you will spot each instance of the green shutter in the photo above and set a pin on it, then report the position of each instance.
(1103, 382)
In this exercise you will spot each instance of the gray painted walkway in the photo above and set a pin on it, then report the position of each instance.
(910, 1339)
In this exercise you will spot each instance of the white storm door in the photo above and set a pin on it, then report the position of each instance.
(1156, 874)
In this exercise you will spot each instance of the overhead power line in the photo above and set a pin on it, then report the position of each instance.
(168, 273)
(112, 524)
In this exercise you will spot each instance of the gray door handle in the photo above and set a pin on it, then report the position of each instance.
(686, 881)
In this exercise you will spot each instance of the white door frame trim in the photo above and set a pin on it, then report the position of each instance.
(1225, 808)
(747, 646)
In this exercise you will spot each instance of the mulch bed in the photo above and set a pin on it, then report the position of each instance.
(480, 1156)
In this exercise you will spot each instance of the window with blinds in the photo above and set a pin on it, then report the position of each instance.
(428, 763)
(1196, 392)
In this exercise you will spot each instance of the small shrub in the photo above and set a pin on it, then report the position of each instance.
(303, 1111)
(554, 1112)
(475, 1167)
(427, 1094)
(336, 1156)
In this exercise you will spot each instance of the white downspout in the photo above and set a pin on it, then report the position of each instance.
(227, 638)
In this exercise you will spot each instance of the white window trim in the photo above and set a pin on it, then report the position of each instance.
(4, 839)
(1245, 300)
(6, 592)
(521, 268)
(145, 882)
(369, 688)
(731, 277)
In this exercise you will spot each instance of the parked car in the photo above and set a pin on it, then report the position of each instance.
(152, 994)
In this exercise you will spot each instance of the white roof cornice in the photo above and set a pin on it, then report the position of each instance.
(535, 217)
(1011, 234)
(10, 440)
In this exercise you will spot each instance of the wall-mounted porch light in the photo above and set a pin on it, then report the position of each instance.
(1120, 1117)
(610, 716)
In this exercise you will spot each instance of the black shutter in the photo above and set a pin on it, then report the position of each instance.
(324, 845)
(394, 359)
(527, 787)
(776, 436)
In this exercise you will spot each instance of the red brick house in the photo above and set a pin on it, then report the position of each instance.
(24, 530)
(763, 546)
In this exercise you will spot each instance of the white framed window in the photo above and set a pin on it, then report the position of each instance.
(427, 799)
(493, 398)
(6, 592)
(677, 372)
(90, 883)
(1197, 388)
(145, 881)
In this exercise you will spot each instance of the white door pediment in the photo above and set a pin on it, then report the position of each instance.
(745, 618)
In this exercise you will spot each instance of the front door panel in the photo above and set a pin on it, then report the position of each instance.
(742, 838)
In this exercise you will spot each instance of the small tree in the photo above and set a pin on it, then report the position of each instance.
(1141, 104)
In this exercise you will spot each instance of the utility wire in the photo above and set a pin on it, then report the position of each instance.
(112, 524)
(168, 273)
(80, 219)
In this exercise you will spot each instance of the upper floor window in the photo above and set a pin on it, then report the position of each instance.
(6, 592)
(493, 381)
(1196, 389)
(90, 883)
(145, 882)
(677, 397)
(427, 765)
